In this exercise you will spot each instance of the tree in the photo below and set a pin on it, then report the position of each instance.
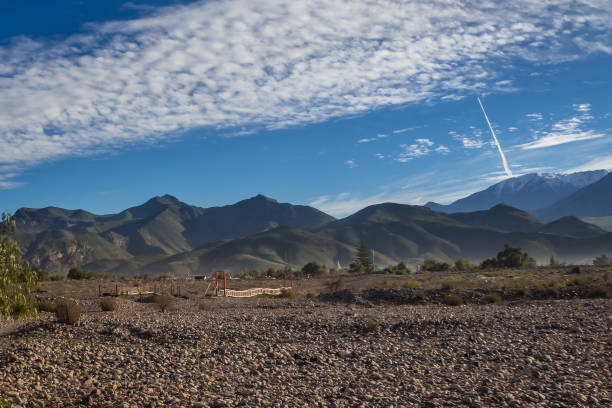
(17, 278)
(314, 269)
(464, 264)
(510, 257)
(363, 261)
(435, 266)
(602, 260)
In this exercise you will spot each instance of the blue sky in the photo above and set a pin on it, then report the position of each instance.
(334, 104)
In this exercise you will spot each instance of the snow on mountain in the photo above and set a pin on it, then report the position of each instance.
(528, 192)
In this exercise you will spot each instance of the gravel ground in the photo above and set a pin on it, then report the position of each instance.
(553, 353)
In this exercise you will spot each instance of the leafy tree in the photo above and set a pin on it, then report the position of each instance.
(16, 277)
(399, 269)
(314, 269)
(510, 257)
(363, 261)
(464, 264)
(435, 266)
(602, 260)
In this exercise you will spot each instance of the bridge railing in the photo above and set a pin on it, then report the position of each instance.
(251, 292)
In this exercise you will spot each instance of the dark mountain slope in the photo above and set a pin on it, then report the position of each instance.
(594, 200)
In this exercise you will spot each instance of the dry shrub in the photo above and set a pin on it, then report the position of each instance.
(163, 302)
(288, 293)
(67, 311)
(108, 305)
(46, 306)
(311, 294)
(336, 285)
(371, 324)
(491, 298)
(453, 300)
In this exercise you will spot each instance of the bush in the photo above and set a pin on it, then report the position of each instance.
(399, 269)
(464, 264)
(453, 300)
(510, 257)
(311, 294)
(435, 266)
(599, 292)
(448, 285)
(314, 269)
(78, 274)
(163, 302)
(491, 298)
(108, 305)
(575, 270)
(46, 306)
(411, 284)
(602, 260)
(336, 285)
(17, 278)
(288, 293)
(67, 311)
(420, 295)
(371, 324)
(202, 305)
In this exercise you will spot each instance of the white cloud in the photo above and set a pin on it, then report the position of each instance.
(398, 131)
(442, 149)
(598, 163)
(275, 63)
(534, 116)
(351, 164)
(583, 107)
(512, 129)
(380, 155)
(564, 131)
(472, 143)
(365, 140)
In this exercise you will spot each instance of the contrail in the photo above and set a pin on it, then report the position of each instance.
(501, 152)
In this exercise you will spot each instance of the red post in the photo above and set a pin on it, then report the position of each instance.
(216, 283)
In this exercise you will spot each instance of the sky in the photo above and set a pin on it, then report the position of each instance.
(338, 105)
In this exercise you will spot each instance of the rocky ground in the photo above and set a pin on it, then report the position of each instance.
(548, 353)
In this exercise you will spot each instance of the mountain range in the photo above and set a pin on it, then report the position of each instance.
(535, 193)
(166, 235)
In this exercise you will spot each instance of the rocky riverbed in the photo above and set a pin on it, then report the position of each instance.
(553, 353)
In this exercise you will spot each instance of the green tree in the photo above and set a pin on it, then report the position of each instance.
(602, 260)
(363, 261)
(464, 264)
(314, 269)
(17, 278)
(510, 257)
(435, 266)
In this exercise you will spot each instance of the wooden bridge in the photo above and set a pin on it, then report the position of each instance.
(251, 292)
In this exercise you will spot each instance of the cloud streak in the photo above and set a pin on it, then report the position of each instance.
(272, 64)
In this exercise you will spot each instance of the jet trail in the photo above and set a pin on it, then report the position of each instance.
(501, 152)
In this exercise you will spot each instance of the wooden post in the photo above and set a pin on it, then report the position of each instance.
(116, 290)
(224, 284)
(216, 283)
(99, 290)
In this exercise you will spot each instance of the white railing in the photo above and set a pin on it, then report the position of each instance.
(251, 292)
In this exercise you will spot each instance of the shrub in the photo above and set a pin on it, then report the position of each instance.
(448, 285)
(336, 285)
(464, 264)
(67, 311)
(599, 292)
(510, 257)
(371, 324)
(435, 266)
(78, 274)
(453, 300)
(314, 269)
(311, 294)
(17, 278)
(411, 284)
(163, 302)
(602, 260)
(420, 295)
(46, 306)
(108, 305)
(575, 270)
(491, 298)
(287, 293)
(202, 305)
